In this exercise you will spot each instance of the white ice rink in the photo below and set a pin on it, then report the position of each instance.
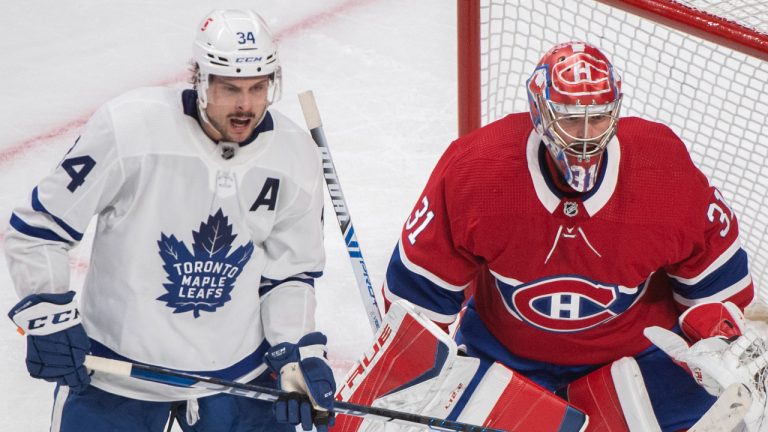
(383, 73)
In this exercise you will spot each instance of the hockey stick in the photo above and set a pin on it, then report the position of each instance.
(315, 126)
(727, 412)
(180, 379)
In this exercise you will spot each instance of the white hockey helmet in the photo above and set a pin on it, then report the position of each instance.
(235, 43)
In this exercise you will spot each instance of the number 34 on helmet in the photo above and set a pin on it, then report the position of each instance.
(235, 43)
(574, 97)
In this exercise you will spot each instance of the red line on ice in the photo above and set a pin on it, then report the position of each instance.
(17, 150)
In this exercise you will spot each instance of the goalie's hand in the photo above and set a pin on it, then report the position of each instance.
(709, 360)
(715, 363)
(304, 372)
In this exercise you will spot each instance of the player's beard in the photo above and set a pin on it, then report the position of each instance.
(223, 128)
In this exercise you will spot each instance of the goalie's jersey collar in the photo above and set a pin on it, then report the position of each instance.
(548, 193)
(189, 101)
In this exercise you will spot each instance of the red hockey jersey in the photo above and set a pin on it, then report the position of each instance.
(567, 278)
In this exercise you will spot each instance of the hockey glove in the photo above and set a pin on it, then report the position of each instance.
(706, 320)
(713, 359)
(304, 372)
(725, 351)
(56, 341)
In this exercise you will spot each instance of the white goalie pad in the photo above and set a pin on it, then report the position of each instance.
(413, 367)
(615, 398)
(633, 396)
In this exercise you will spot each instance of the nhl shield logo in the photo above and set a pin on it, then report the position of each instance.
(571, 209)
(202, 279)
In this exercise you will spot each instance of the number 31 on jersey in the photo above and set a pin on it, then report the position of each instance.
(419, 219)
(717, 211)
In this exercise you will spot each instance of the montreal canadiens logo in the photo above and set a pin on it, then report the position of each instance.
(580, 75)
(203, 278)
(567, 303)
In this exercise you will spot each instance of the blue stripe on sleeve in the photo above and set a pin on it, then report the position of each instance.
(42, 233)
(419, 290)
(268, 284)
(38, 206)
(732, 271)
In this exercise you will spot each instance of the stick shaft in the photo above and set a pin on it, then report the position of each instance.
(315, 126)
(181, 379)
(727, 412)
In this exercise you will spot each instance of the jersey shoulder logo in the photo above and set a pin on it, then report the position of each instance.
(203, 278)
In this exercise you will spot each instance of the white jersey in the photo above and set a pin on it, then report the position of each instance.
(198, 262)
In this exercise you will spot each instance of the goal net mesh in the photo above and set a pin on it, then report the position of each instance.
(713, 97)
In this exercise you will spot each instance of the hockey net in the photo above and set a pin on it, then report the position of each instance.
(701, 67)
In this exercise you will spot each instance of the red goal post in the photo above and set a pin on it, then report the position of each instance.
(701, 67)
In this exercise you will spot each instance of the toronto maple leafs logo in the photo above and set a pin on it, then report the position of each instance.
(202, 279)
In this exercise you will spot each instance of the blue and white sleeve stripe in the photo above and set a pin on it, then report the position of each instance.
(39, 207)
(724, 278)
(438, 299)
(41, 224)
(268, 284)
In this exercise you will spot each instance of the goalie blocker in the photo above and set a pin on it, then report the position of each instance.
(414, 367)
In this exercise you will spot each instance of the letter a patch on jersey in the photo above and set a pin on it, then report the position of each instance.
(268, 195)
(202, 279)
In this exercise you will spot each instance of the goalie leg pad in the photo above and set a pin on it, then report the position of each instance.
(409, 352)
(615, 398)
(413, 366)
(507, 400)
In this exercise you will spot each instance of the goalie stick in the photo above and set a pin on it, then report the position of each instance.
(315, 126)
(726, 413)
(171, 377)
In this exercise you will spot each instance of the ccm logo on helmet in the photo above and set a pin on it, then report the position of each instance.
(248, 59)
(567, 303)
(581, 74)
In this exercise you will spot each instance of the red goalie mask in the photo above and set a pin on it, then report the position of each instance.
(574, 96)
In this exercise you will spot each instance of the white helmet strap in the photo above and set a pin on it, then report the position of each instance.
(202, 90)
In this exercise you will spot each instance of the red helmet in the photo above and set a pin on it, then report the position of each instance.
(574, 96)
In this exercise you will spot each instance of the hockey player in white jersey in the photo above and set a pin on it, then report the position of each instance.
(207, 245)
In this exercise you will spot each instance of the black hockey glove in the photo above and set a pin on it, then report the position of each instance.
(303, 370)
(56, 341)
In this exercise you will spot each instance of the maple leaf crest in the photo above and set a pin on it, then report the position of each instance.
(202, 279)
